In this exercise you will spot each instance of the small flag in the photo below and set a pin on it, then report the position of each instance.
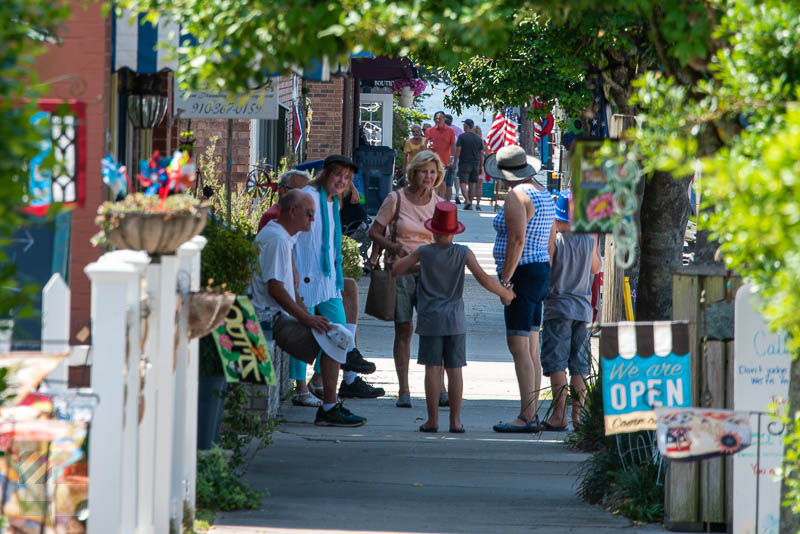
(299, 129)
(494, 140)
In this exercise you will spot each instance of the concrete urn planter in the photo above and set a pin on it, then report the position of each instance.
(206, 310)
(155, 233)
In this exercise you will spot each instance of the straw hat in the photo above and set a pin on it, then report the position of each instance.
(512, 164)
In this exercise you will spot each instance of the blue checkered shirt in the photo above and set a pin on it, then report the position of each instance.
(537, 231)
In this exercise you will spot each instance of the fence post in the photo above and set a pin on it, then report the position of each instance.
(55, 326)
(164, 359)
(189, 454)
(132, 434)
(110, 280)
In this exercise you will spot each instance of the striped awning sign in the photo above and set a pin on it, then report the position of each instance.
(134, 40)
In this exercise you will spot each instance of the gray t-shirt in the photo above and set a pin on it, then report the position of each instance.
(471, 146)
(440, 302)
(570, 295)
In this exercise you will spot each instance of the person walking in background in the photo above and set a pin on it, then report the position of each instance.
(413, 205)
(448, 120)
(318, 254)
(441, 323)
(567, 314)
(524, 227)
(441, 139)
(482, 177)
(413, 145)
(469, 161)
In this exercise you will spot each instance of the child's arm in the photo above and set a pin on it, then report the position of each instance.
(406, 264)
(505, 293)
(551, 243)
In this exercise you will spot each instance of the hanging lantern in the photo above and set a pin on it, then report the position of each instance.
(147, 104)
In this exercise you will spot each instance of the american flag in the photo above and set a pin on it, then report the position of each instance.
(502, 132)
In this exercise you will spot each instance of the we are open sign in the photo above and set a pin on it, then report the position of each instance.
(644, 366)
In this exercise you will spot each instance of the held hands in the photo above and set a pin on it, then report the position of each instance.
(317, 322)
(508, 295)
(398, 250)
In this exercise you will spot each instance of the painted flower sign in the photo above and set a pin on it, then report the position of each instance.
(242, 346)
(689, 434)
(644, 366)
(599, 187)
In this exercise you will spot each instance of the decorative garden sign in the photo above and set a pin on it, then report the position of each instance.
(644, 366)
(242, 346)
(760, 382)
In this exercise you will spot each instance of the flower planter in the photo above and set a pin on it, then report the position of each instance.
(155, 233)
(210, 404)
(207, 310)
(406, 97)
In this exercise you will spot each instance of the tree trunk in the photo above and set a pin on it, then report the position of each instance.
(664, 213)
(526, 132)
(790, 521)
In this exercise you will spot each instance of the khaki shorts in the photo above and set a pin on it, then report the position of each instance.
(295, 338)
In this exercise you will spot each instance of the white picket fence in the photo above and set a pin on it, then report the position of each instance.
(143, 438)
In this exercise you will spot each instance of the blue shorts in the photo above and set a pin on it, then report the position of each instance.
(531, 283)
(449, 173)
(565, 345)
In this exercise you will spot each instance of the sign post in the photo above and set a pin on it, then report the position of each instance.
(760, 381)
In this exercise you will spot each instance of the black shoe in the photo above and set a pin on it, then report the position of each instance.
(338, 416)
(356, 363)
(359, 389)
(458, 201)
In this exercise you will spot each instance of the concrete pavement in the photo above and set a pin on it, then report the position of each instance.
(388, 477)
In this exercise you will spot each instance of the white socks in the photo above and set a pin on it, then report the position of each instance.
(349, 376)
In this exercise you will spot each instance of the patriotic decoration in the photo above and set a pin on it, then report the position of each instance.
(644, 366)
(299, 129)
(503, 132)
(160, 175)
(115, 176)
(544, 127)
(690, 434)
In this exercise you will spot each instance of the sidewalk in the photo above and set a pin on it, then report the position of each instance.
(388, 477)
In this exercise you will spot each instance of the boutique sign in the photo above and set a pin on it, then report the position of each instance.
(644, 366)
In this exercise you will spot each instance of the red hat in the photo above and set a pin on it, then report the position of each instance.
(445, 219)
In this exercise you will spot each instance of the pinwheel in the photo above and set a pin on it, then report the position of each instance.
(160, 176)
(115, 176)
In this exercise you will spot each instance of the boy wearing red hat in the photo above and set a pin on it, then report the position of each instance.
(441, 323)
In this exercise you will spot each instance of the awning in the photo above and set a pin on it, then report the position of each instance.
(133, 44)
(383, 68)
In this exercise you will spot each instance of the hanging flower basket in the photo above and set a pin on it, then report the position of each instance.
(148, 224)
(206, 310)
(406, 97)
(407, 90)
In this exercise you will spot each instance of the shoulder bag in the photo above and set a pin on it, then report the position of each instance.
(382, 293)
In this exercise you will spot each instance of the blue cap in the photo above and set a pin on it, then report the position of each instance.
(562, 206)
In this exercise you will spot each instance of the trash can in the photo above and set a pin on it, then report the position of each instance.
(376, 164)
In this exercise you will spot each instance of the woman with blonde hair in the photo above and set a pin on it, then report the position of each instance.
(413, 145)
(318, 258)
(417, 202)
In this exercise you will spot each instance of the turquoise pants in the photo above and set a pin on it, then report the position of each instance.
(333, 309)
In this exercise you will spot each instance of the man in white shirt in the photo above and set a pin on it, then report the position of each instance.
(275, 299)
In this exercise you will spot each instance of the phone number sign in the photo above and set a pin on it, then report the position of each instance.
(258, 105)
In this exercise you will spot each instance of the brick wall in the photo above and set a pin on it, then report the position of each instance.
(205, 129)
(325, 135)
(85, 51)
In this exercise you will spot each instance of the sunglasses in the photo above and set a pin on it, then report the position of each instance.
(310, 214)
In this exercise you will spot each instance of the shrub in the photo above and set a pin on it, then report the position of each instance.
(218, 487)
(351, 258)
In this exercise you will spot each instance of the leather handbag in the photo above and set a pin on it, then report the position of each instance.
(382, 293)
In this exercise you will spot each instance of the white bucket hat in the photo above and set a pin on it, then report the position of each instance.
(335, 341)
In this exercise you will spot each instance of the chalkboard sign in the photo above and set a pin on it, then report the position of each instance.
(38, 249)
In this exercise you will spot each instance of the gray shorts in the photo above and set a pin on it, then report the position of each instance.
(449, 174)
(565, 345)
(295, 338)
(468, 172)
(406, 298)
(448, 350)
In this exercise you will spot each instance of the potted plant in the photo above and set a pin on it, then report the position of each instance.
(207, 309)
(407, 90)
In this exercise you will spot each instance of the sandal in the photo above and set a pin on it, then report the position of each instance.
(531, 426)
(306, 399)
(431, 429)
